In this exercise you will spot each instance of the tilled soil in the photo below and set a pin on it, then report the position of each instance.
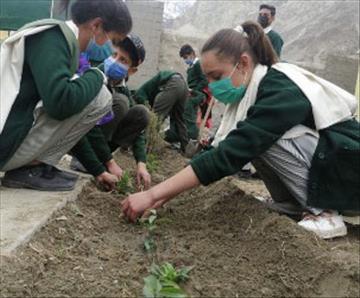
(237, 247)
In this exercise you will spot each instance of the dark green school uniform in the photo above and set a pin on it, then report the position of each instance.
(46, 76)
(93, 150)
(148, 91)
(276, 41)
(280, 105)
(139, 145)
(167, 94)
(196, 81)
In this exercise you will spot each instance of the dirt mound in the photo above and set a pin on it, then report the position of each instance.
(238, 248)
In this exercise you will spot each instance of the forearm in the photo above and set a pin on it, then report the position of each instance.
(182, 181)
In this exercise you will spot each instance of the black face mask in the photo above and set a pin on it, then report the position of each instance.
(263, 21)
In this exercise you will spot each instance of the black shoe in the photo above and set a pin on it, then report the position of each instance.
(40, 177)
(65, 174)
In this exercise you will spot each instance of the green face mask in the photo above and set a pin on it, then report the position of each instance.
(224, 90)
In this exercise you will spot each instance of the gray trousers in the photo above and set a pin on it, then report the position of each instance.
(50, 139)
(128, 123)
(171, 102)
(285, 168)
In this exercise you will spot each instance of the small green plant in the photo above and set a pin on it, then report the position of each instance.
(163, 281)
(150, 225)
(152, 163)
(125, 185)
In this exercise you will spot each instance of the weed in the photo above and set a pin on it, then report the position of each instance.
(163, 281)
(125, 185)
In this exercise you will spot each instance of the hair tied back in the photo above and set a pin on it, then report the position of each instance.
(241, 30)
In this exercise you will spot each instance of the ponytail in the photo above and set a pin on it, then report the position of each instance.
(230, 43)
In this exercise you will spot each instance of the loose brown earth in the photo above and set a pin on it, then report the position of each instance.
(237, 248)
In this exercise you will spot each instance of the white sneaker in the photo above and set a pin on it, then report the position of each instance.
(326, 225)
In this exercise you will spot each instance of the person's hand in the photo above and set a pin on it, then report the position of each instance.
(136, 205)
(107, 180)
(114, 169)
(142, 176)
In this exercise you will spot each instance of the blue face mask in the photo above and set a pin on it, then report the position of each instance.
(224, 90)
(97, 52)
(115, 70)
(189, 61)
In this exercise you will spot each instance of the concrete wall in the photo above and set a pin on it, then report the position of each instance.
(147, 17)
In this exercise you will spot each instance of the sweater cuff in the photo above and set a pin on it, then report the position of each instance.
(140, 158)
(96, 171)
(204, 168)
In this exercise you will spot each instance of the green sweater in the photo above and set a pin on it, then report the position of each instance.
(46, 76)
(276, 41)
(148, 91)
(195, 77)
(93, 150)
(280, 105)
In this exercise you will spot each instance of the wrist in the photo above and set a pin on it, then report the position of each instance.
(110, 163)
(100, 175)
(151, 194)
(141, 165)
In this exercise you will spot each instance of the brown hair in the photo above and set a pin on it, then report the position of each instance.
(229, 43)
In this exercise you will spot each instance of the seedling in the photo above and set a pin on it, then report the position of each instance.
(125, 185)
(150, 225)
(149, 222)
(167, 272)
(152, 163)
(163, 281)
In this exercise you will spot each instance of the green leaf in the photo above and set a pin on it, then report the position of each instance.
(172, 291)
(183, 273)
(155, 270)
(152, 219)
(152, 287)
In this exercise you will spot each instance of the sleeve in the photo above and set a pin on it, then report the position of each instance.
(99, 144)
(48, 57)
(275, 112)
(93, 152)
(141, 96)
(277, 43)
(84, 152)
(139, 148)
(196, 78)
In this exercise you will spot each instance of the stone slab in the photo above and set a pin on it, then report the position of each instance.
(24, 211)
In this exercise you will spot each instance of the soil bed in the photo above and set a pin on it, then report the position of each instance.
(237, 248)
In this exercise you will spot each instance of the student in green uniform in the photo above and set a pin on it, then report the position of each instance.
(166, 93)
(197, 82)
(297, 129)
(45, 109)
(126, 128)
(266, 18)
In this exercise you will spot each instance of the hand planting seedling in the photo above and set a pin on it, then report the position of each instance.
(150, 225)
(125, 185)
(163, 281)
